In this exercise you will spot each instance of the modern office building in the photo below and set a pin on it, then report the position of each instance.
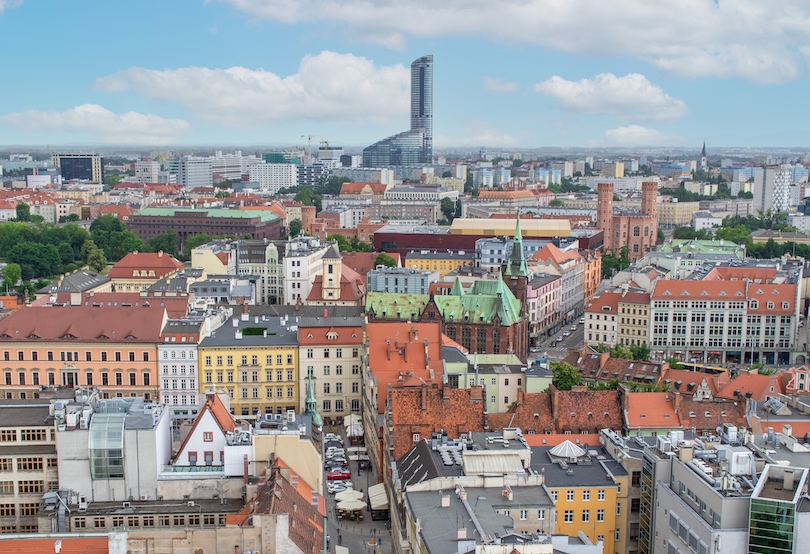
(413, 147)
(194, 172)
(80, 167)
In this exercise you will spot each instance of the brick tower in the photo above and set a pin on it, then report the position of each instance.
(649, 196)
(604, 214)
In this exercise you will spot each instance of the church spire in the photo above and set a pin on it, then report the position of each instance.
(312, 404)
(516, 265)
(703, 152)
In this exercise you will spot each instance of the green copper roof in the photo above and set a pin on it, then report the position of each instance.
(265, 215)
(389, 304)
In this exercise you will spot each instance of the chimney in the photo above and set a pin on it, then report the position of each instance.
(445, 501)
(603, 358)
(787, 483)
(461, 534)
(326, 312)
(245, 468)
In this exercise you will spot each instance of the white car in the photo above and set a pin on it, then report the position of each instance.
(332, 437)
(334, 487)
(582, 320)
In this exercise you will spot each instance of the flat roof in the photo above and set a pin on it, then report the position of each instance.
(264, 215)
(277, 335)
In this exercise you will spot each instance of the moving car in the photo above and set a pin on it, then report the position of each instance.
(567, 334)
(582, 320)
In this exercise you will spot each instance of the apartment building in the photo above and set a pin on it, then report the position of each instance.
(264, 259)
(441, 261)
(543, 298)
(301, 263)
(331, 350)
(179, 377)
(570, 266)
(254, 360)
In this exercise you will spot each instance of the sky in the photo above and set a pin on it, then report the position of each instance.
(507, 74)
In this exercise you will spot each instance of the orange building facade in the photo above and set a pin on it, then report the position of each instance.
(113, 349)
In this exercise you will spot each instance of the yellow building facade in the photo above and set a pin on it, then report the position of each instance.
(255, 363)
(599, 511)
(442, 262)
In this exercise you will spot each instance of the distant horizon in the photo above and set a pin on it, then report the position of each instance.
(576, 75)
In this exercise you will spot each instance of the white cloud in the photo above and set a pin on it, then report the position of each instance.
(636, 135)
(496, 84)
(478, 133)
(631, 96)
(9, 4)
(100, 124)
(328, 87)
(760, 40)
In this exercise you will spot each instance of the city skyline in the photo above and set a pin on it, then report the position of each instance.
(515, 75)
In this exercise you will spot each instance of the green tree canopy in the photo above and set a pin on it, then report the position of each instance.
(168, 242)
(295, 227)
(621, 352)
(565, 376)
(23, 212)
(448, 208)
(96, 260)
(384, 259)
(11, 275)
(555, 202)
(193, 242)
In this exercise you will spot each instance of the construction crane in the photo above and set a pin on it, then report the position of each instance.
(309, 146)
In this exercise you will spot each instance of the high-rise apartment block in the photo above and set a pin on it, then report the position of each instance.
(274, 177)
(413, 147)
(772, 189)
(194, 172)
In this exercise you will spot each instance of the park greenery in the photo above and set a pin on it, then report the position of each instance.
(564, 375)
(384, 259)
(350, 245)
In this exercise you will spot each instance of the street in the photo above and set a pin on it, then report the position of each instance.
(560, 351)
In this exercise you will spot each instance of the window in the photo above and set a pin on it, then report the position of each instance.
(148, 521)
(600, 515)
(117, 521)
(524, 515)
(586, 495)
(416, 437)
(570, 496)
(600, 495)
(30, 487)
(164, 521)
(208, 436)
(7, 510)
(554, 495)
(541, 515)
(586, 516)
(99, 523)
(192, 458)
(132, 521)
(569, 516)
(618, 534)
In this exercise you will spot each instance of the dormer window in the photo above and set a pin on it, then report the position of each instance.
(754, 304)
(785, 305)
(770, 305)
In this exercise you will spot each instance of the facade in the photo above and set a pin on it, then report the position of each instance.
(80, 167)
(633, 322)
(28, 465)
(676, 214)
(255, 362)
(706, 220)
(413, 147)
(194, 172)
(331, 350)
(637, 232)
(179, 377)
(263, 258)
(274, 177)
(217, 257)
(491, 253)
(571, 267)
(442, 262)
(544, 308)
(112, 348)
(147, 171)
(772, 189)
(301, 263)
(259, 224)
(734, 314)
(776, 517)
(336, 284)
(400, 280)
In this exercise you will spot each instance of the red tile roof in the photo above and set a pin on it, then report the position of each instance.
(358, 187)
(670, 289)
(397, 348)
(760, 386)
(317, 335)
(70, 545)
(84, 323)
(651, 410)
(176, 306)
(551, 252)
(163, 264)
(352, 288)
(708, 416)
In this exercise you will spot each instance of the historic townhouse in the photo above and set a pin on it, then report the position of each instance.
(113, 348)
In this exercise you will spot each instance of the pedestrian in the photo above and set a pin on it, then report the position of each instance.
(327, 540)
(340, 537)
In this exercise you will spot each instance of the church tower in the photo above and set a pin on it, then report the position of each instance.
(332, 264)
(517, 271)
(604, 214)
(704, 159)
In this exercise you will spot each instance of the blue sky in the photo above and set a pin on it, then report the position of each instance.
(510, 74)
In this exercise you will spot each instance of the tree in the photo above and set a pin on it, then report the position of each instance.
(621, 352)
(448, 208)
(23, 212)
(674, 363)
(384, 259)
(295, 227)
(68, 218)
(88, 247)
(447, 173)
(555, 202)
(96, 260)
(195, 241)
(112, 180)
(565, 376)
(168, 242)
(661, 237)
(11, 275)
(641, 352)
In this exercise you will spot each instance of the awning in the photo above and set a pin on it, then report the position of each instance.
(377, 497)
(354, 430)
(352, 419)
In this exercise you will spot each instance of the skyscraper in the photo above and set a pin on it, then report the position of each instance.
(412, 147)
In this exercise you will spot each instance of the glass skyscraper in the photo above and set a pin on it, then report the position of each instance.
(414, 147)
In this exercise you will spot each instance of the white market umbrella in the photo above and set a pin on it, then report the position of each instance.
(350, 494)
(351, 505)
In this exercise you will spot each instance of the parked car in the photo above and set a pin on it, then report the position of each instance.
(338, 475)
(566, 334)
(333, 450)
(333, 437)
(335, 486)
(573, 328)
(582, 320)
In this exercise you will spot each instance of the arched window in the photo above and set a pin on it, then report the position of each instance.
(636, 231)
(646, 231)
